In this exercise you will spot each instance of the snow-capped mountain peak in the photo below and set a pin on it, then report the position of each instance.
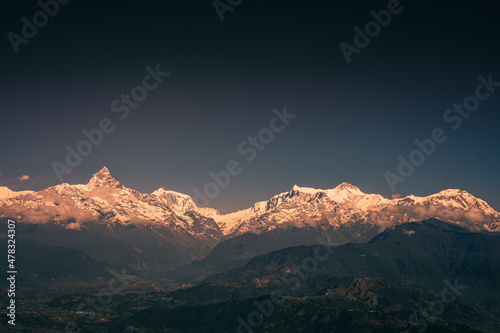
(341, 193)
(6, 192)
(347, 187)
(461, 199)
(105, 199)
(103, 178)
(344, 192)
(174, 200)
(346, 206)
(308, 190)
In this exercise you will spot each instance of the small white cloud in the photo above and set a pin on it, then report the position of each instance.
(23, 178)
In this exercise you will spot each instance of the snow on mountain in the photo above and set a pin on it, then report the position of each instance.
(347, 205)
(103, 178)
(179, 202)
(6, 192)
(106, 200)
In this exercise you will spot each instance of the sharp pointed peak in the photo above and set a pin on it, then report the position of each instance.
(103, 178)
(103, 170)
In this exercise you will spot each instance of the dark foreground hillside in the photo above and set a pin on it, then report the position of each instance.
(418, 277)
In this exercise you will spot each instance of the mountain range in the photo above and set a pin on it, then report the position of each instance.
(166, 229)
(387, 259)
(108, 201)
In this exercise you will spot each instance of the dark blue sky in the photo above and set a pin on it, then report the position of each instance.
(353, 120)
